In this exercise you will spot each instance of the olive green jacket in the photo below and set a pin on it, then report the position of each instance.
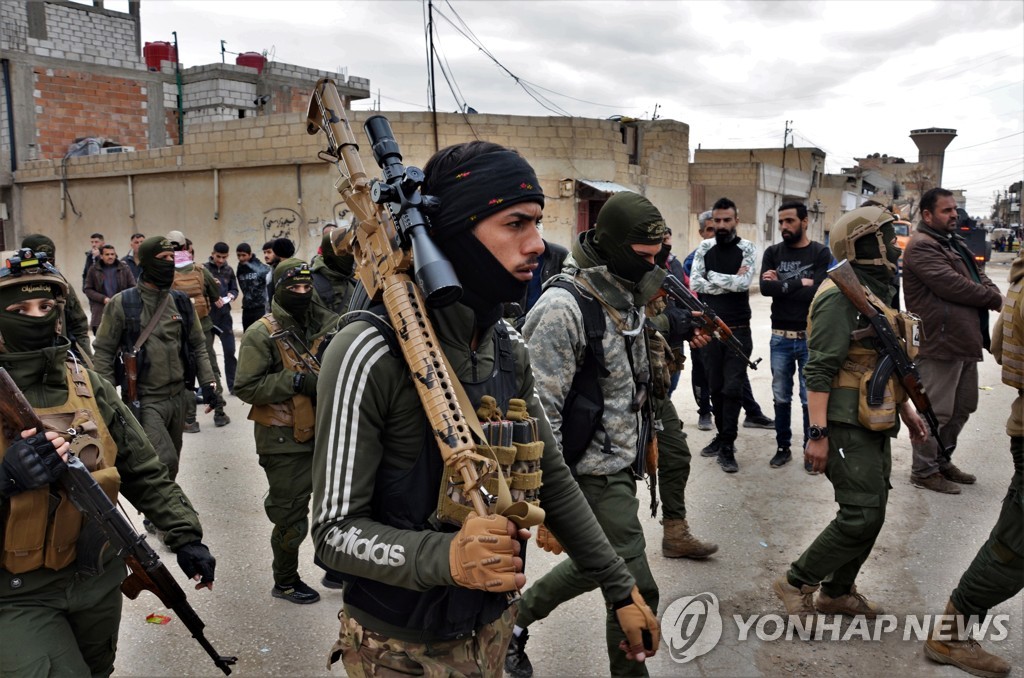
(41, 375)
(832, 318)
(162, 373)
(76, 324)
(261, 378)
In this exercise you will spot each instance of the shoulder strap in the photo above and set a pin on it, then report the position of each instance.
(151, 325)
(380, 322)
(131, 302)
(593, 320)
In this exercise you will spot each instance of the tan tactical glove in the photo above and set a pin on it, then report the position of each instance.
(547, 541)
(482, 554)
(643, 634)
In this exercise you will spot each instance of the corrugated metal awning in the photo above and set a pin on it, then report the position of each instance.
(604, 186)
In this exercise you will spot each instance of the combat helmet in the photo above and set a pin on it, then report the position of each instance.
(864, 222)
(25, 267)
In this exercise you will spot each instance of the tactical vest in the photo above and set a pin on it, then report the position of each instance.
(1013, 343)
(861, 360)
(407, 499)
(41, 526)
(297, 412)
(193, 284)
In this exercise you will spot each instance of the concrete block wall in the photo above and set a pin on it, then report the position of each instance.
(270, 178)
(73, 103)
(83, 34)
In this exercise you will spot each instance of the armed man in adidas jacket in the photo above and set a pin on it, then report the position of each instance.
(377, 469)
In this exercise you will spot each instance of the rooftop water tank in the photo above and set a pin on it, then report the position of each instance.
(155, 52)
(252, 60)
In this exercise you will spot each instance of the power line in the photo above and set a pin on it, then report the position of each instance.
(964, 148)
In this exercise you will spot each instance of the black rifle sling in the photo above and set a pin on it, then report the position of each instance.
(584, 404)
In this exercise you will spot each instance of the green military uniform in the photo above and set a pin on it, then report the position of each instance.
(997, 572)
(559, 340)
(283, 442)
(33, 605)
(211, 294)
(861, 478)
(161, 384)
(859, 458)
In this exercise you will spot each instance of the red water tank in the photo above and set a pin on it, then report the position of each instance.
(252, 60)
(155, 52)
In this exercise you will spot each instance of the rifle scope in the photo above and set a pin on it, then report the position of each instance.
(400, 191)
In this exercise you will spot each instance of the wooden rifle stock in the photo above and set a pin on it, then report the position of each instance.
(130, 360)
(147, 570)
(893, 357)
(383, 256)
(708, 319)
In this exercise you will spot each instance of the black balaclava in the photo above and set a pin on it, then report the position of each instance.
(627, 219)
(293, 272)
(23, 333)
(470, 192)
(157, 272)
(339, 263)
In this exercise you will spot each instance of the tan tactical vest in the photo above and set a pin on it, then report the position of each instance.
(297, 412)
(1013, 343)
(859, 366)
(193, 284)
(36, 534)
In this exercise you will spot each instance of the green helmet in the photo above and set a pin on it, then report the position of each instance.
(865, 236)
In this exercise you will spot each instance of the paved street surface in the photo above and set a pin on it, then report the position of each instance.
(761, 518)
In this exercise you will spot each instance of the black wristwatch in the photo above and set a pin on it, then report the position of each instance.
(817, 432)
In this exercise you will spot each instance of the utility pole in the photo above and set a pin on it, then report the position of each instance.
(222, 43)
(430, 78)
(177, 80)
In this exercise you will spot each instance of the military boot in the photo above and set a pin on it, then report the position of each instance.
(852, 604)
(799, 602)
(961, 650)
(517, 664)
(677, 541)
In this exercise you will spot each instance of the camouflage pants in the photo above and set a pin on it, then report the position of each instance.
(366, 653)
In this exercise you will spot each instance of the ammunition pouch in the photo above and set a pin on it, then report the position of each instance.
(296, 413)
(661, 358)
(42, 527)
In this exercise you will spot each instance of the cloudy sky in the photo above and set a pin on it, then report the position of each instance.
(853, 77)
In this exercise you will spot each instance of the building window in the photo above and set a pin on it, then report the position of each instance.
(241, 113)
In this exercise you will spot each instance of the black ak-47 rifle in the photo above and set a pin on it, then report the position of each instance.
(708, 319)
(390, 243)
(147, 570)
(893, 357)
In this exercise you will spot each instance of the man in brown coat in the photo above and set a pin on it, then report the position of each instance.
(107, 277)
(944, 287)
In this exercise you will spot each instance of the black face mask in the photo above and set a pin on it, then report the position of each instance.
(23, 333)
(159, 273)
(295, 303)
(623, 262)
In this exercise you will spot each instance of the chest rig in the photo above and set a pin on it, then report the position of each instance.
(40, 527)
(297, 412)
(858, 369)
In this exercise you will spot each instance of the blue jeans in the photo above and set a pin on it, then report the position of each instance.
(789, 356)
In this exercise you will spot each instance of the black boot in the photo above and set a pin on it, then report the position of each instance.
(517, 664)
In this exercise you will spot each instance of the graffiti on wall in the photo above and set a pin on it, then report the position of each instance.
(281, 222)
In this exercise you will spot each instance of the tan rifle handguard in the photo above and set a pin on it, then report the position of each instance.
(384, 269)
